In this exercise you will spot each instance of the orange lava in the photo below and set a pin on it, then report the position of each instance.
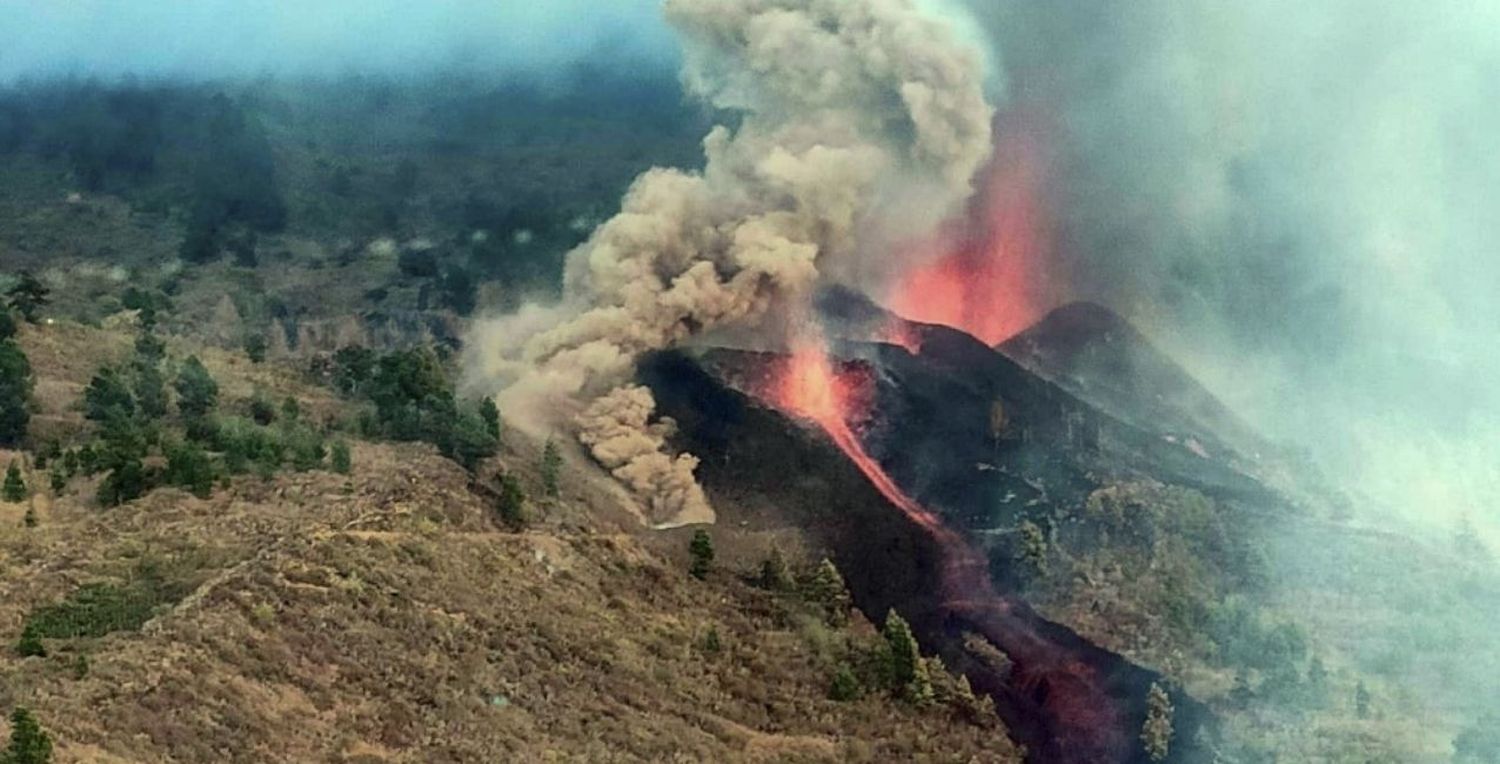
(987, 276)
(806, 385)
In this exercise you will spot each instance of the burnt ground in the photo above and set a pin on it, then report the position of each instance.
(929, 426)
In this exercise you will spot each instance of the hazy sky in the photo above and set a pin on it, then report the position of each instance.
(213, 38)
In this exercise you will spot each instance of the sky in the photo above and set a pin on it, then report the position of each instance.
(205, 39)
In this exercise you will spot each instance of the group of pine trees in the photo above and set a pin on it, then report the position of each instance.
(894, 665)
(415, 401)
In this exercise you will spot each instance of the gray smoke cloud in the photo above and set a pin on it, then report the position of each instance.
(838, 115)
(1299, 199)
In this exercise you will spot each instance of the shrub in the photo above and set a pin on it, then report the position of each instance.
(339, 457)
(188, 466)
(304, 447)
(774, 573)
(845, 686)
(30, 644)
(255, 347)
(1156, 733)
(28, 296)
(126, 482)
(97, 609)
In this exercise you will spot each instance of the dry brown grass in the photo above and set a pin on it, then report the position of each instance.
(387, 617)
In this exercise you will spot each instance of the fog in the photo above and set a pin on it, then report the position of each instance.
(1298, 199)
(213, 39)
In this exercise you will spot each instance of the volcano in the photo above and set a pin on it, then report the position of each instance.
(1095, 354)
(949, 443)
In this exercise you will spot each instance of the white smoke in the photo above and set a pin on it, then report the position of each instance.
(844, 111)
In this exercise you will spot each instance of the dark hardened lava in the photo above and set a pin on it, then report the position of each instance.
(1064, 698)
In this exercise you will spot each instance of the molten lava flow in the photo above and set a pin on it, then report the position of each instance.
(1073, 697)
(809, 388)
(987, 275)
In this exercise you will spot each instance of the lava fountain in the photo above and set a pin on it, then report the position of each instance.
(1082, 720)
(987, 274)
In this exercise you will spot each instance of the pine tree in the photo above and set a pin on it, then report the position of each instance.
(711, 642)
(30, 644)
(902, 649)
(15, 393)
(551, 467)
(29, 743)
(14, 489)
(826, 590)
(490, 413)
(339, 455)
(1156, 733)
(28, 297)
(702, 550)
(774, 574)
(845, 686)
(197, 392)
(512, 501)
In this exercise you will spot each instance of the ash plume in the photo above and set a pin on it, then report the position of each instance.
(838, 114)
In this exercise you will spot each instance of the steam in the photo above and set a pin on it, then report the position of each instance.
(1298, 198)
(843, 114)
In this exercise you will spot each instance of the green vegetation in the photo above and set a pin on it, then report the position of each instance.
(701, 549)
(190, 467)
(30, 644)
(14, 489)
(775, 575)
(414, 401)
(512, 505)
(826, 590)
(29, 743)
(197, 392)
(339, 458)
(96, 609)
(907, 673)
(15, 390)
(28, 296)
(845, 685)
(551, 468)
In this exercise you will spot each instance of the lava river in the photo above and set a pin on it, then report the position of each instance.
(1082, 720)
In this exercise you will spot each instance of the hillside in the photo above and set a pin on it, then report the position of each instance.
(389, 616)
